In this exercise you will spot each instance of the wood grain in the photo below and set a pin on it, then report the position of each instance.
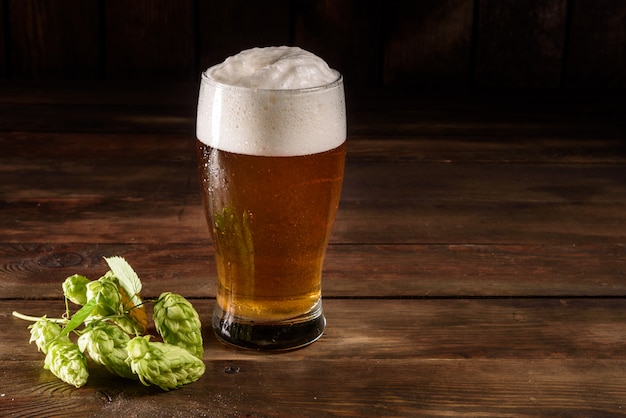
(53, 39)
(364, 271)
(520, 44)
(428, 43)
(174, 148)
(225, 28)
(458, 44)
(151, 40)
(456, 358)
(476, 266)
(449, 204)
(347, 34)
(595, 50)
(418, 329)
(4, 67)
(387, 387)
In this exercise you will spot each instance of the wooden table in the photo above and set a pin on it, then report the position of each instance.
(477, 266)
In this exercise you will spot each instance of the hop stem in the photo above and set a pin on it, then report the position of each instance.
(37, 318)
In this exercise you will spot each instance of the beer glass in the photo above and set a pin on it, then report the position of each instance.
(271, 166)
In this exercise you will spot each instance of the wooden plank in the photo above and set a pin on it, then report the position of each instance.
(54, 39)
(154, 219)
(405, 329)
(434, 222)
(347, 34)
(481, 150)
(428, 388)
(40, 148)
(520, 44)
(427, 43)
(225, 28)
(382, 202)
(375, 271)
(150, 40)
(475, 184)
(597, 39)
(443, 357)
(394, 182)
(588, 170)
(64, 147)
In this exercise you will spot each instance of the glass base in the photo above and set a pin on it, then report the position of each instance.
(275, 336)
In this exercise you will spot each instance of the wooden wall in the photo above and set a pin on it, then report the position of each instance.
(440, 43)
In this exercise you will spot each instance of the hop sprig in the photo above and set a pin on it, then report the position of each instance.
(178, 323)
(111, 314)
(165, 365)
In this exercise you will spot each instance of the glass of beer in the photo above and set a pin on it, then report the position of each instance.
(271, 148)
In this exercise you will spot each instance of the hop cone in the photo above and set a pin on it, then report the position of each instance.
(107, 296)
(75, 289)
(43, 332)
(165, 365)
(67, 362)
(178, 323)
(106, 344)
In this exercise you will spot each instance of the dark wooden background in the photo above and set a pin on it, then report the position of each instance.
(545, 44)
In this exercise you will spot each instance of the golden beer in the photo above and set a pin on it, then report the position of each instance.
(271, 164)
(270, 220)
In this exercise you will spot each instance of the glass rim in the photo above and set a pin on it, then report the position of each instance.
(224, 86)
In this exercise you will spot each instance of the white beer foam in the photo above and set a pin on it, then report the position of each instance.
(275, 68)
(275, 101)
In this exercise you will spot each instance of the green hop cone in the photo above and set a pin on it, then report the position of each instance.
(106, 294)
(178, 323)
(106, 344)
(75, 288)
(43, 332)
(165, 365)
(65, 360)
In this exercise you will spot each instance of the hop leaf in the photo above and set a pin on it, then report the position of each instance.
(106, 344)
(75, 288)
(43, 332)
(135, 319)
(65, 360)
(128, 279)
(178, 323)
(165, 365)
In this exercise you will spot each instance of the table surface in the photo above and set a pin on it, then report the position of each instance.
(477, 266)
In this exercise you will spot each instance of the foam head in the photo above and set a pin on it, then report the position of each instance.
(275, 101)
